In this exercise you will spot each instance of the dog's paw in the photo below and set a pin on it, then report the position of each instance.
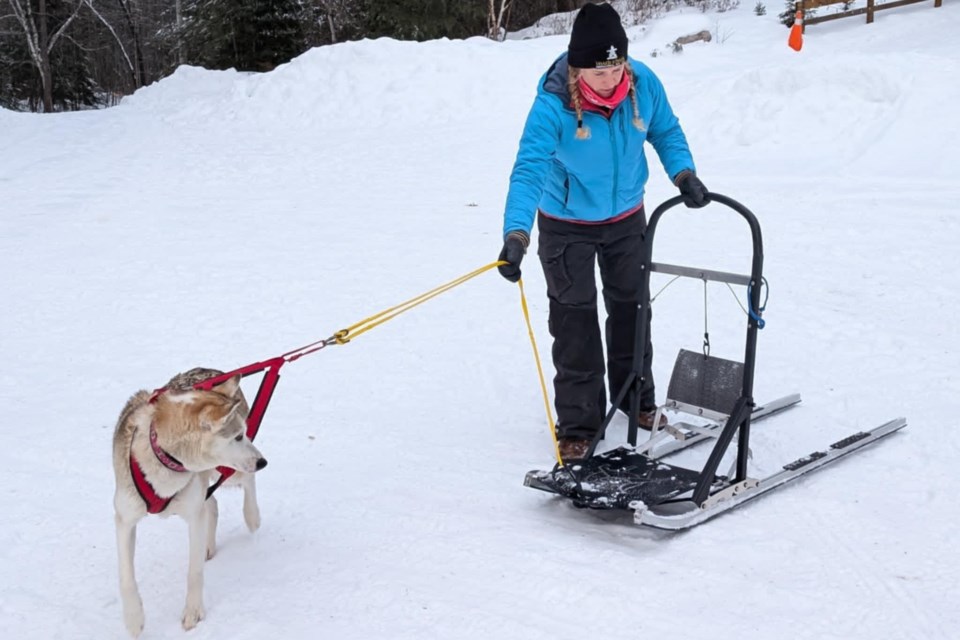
(192, 614)
(251, 515)
(133, 618)
(211, 551)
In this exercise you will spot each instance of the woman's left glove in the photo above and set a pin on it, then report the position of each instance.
(514, 246)
(693, 191)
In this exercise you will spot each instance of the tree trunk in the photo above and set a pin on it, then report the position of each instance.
(46, 73)
(40, 43)
(139, 73)
(495, 18)
(181, 54)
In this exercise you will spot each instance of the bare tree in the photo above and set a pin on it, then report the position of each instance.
(495, 19)
(39, 42)
(329, 10)
(136, 72)
(338, 19)
(131, 15)
(181, 52)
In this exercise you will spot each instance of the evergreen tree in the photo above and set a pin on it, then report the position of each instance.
(790, 11)
(248, 35)
(73, 88)
(425, 19)
(16, 71)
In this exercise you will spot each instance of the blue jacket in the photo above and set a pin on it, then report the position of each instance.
(598, 178)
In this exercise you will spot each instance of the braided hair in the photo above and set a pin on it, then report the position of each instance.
(583, 132)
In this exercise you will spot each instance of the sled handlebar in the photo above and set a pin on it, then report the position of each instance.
(745, 213)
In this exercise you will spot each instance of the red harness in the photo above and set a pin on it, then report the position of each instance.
(157, 503)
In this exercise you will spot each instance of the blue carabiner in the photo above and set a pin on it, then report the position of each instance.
(756, 314)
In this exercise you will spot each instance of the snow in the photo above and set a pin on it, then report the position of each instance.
(220, 218)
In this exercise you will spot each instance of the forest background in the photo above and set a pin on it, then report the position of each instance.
(59, 55)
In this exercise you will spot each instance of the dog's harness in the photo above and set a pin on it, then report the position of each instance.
(155, 502)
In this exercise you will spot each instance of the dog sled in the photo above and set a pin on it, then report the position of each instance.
(713, 398)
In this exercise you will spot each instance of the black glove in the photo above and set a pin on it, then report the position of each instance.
(695, 194)
(514, 246)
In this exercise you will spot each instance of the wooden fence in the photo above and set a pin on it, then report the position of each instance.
(871, 8)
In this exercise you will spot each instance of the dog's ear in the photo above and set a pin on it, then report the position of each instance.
(229, 387)
(214, 416)
(234, 411)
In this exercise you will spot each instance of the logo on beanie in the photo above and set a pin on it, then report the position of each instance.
(612, 53)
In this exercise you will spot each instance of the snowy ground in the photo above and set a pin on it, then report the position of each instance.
(217, 219)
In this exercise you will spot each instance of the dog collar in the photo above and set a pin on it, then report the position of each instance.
(168, 460)
(154, 501)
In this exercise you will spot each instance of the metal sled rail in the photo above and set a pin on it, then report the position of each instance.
(764, 411)
(682, 514)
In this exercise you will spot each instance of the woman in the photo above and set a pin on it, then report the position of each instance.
(581, 168)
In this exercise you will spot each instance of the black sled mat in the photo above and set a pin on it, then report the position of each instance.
(615, 479)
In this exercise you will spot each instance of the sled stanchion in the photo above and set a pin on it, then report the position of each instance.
(740, 414)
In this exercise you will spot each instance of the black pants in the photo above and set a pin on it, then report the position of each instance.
(569, 254)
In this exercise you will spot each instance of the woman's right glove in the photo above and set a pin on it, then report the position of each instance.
(693, 191)
(514, 246)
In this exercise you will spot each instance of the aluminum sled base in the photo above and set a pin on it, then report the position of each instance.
(658, 492)
(678, 513)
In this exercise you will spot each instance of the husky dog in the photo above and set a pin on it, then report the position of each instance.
(166, 448)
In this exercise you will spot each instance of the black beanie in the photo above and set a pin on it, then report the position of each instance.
(598, 39)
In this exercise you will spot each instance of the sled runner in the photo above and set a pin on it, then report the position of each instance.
(717, 395)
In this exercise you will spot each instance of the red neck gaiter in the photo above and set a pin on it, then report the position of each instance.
(615, 98)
